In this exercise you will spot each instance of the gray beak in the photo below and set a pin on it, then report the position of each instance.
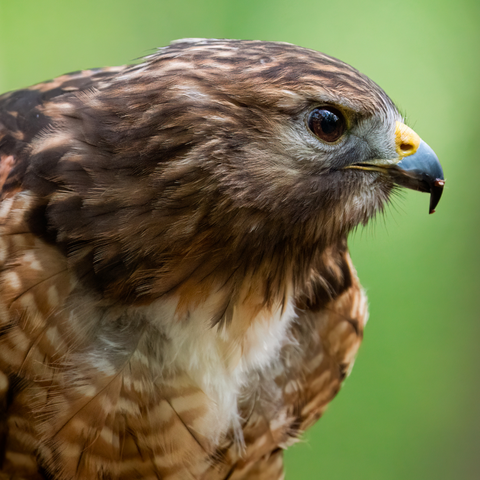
(421, 171)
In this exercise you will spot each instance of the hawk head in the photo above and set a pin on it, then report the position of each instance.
(220, 156)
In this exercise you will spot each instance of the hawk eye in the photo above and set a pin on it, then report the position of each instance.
(326, 123)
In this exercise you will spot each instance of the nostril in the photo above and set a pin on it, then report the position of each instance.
(405, 147)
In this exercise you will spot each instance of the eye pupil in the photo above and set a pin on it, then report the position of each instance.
(327, 124)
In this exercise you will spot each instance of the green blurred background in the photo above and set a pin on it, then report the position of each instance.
(410, 409)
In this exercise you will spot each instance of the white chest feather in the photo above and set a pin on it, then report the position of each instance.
(221, 359)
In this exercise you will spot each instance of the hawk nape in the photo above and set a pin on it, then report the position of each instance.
(177, 300)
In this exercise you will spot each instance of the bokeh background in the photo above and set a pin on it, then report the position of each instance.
(411, 406)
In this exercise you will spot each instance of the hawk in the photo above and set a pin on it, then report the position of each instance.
(177, 300)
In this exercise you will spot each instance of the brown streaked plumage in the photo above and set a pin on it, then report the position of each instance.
(177, 300)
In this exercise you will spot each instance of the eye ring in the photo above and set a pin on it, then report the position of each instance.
(327, 123)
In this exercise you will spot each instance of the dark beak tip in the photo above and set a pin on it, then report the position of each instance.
(436, 193)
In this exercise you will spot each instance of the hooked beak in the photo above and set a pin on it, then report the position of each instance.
(417, 167)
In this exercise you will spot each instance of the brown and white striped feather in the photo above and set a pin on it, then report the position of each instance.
(122, 421)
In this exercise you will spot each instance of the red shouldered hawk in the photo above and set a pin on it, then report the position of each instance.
(177, 300)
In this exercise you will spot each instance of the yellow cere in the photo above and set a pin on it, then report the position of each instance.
(406, 140)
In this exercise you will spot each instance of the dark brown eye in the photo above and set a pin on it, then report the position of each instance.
(326, 123)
